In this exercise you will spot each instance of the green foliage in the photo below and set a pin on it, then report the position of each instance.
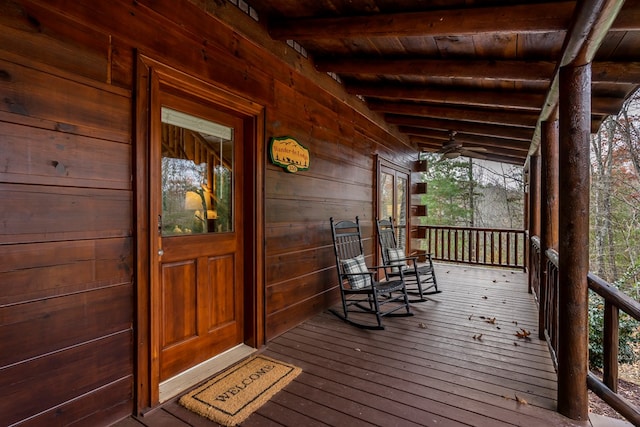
(628, 334)
(450, 192)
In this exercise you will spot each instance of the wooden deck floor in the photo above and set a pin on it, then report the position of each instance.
(425, 370)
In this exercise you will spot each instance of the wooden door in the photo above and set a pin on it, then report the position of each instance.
(393, 200)
(197, 276)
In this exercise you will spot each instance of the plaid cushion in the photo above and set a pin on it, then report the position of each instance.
(354, 266)
(396, 256)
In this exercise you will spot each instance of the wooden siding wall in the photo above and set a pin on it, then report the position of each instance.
(67, 297)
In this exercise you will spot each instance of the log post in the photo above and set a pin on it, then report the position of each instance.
(534, 207)
(573, 245)
(549, 214)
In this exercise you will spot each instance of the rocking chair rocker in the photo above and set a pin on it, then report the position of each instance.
(359, 290)
(420, 280)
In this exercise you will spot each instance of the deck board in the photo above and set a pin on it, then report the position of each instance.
(425, 370)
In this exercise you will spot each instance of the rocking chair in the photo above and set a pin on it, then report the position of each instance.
(420, 280)
(359, 290)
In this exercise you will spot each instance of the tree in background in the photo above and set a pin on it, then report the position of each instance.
(615, 206)
(471, 193)
(615, 228)
(451, 191)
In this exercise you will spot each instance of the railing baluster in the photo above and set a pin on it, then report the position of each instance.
(611, 336)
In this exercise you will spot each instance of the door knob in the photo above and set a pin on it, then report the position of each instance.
(160, 252)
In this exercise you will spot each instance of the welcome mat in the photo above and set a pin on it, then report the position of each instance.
(232, 396)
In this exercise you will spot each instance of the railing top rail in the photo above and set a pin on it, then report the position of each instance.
(535, 241)
(552, 256)
(613, 295)
(457, 227)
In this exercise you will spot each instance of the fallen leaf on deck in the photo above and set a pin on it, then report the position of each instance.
(515, 343)
(470, 317)
(482, 317)
(520, 400)
(357, 349)
(422, 325)
(477, 337)
(497, 327)
(485, 297)
(523, 333)
(491, 321)
(495, 281)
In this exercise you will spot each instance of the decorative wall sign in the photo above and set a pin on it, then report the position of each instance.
(288, 153)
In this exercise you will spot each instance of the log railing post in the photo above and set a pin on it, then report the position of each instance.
(549, 214)
(573, 246)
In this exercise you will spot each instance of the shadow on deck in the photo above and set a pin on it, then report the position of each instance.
(422, 370)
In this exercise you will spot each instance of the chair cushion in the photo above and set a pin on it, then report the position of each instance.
(396, 256)
(354, 266)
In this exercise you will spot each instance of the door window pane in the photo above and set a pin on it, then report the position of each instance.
(401, 212)
(386, 196)
(197, 175)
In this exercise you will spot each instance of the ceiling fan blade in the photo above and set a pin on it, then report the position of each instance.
(473, 154)
(476, 149)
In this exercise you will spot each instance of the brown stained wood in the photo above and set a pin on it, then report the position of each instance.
(41, 95)
(42, 327)
(549, 194)
(610, 344)
(619, 404)
(509, 19)
(573, 245)
(497, 117)
(485, 98)
(56, 158)
(42, 270)
(106, 405)
(470, 140)
(484, 129)
(38, 214)
(103, 360)
(503, 69)
(286, 266)
(279, 293)
(51, 38)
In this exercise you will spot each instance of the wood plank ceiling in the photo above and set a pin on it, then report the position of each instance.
(485, 69)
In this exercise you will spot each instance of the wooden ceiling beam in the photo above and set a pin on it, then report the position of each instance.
(468, 139)
(511, 70)
(590, 23)
(512, 132)
(615, 72)
(524, 18)
(461, 96)
(512, 118)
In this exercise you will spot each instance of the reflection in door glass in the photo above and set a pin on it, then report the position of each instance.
(401, 214)
(386, 196)
(197, 175)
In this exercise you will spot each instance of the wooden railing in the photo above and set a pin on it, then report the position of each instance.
(614, 301)
(482, 246)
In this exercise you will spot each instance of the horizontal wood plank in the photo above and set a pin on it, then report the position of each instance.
(88, 367)
(38, 271)
(40, 214)
(45, 157)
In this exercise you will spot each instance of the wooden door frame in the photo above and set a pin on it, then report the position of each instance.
(381, 163)
(148, 73)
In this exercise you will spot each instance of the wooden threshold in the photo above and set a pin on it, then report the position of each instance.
(189, 378)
